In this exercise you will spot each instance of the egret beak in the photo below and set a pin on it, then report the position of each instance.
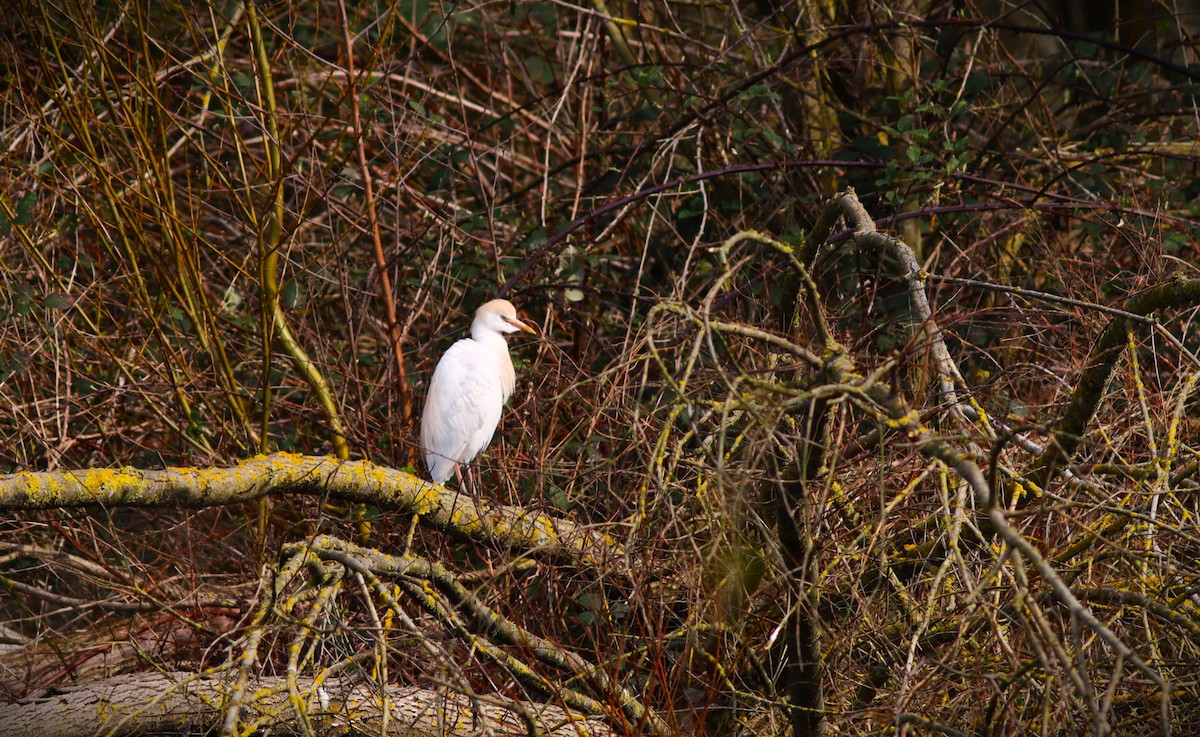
(523, 327)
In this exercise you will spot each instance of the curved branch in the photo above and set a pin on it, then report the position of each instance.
(274, 321)
(482, 619)
(929, 444)
(866, 234)
(356, 481)
(1086, 395)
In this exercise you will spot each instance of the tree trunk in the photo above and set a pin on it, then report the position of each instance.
(156, 703)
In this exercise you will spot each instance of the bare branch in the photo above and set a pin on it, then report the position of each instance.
(287, 473)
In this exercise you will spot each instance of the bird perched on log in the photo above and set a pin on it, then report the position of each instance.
(470, 385)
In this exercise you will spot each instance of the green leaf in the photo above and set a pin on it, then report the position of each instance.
(976, 81)
(535, 239)
(58, 301)
(544, 13)
(291, 296)
(25, 208)
(1175, 242)
(19, 363)
(539, 69)
(232, 299)
(22, 299)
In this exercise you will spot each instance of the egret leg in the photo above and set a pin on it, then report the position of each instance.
(471, 483)
(459, 475)
(466, 480)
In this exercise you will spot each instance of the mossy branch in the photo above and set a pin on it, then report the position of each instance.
(1087, 394)
(287, 473)
(908, 422)
(274, 321)
(471, 618)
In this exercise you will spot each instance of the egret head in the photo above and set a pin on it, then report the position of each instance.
(498, 316)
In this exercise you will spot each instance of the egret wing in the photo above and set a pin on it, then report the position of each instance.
(462, 408)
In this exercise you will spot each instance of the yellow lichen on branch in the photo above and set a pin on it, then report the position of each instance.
(289, 473)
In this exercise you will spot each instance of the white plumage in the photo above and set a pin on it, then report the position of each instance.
(470, 385)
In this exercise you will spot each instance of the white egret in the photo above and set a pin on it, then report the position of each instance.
(470, 385)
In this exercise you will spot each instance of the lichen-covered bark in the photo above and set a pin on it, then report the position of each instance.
(154, 703)
(482, 626)
(284, 473)
(1086, 396)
